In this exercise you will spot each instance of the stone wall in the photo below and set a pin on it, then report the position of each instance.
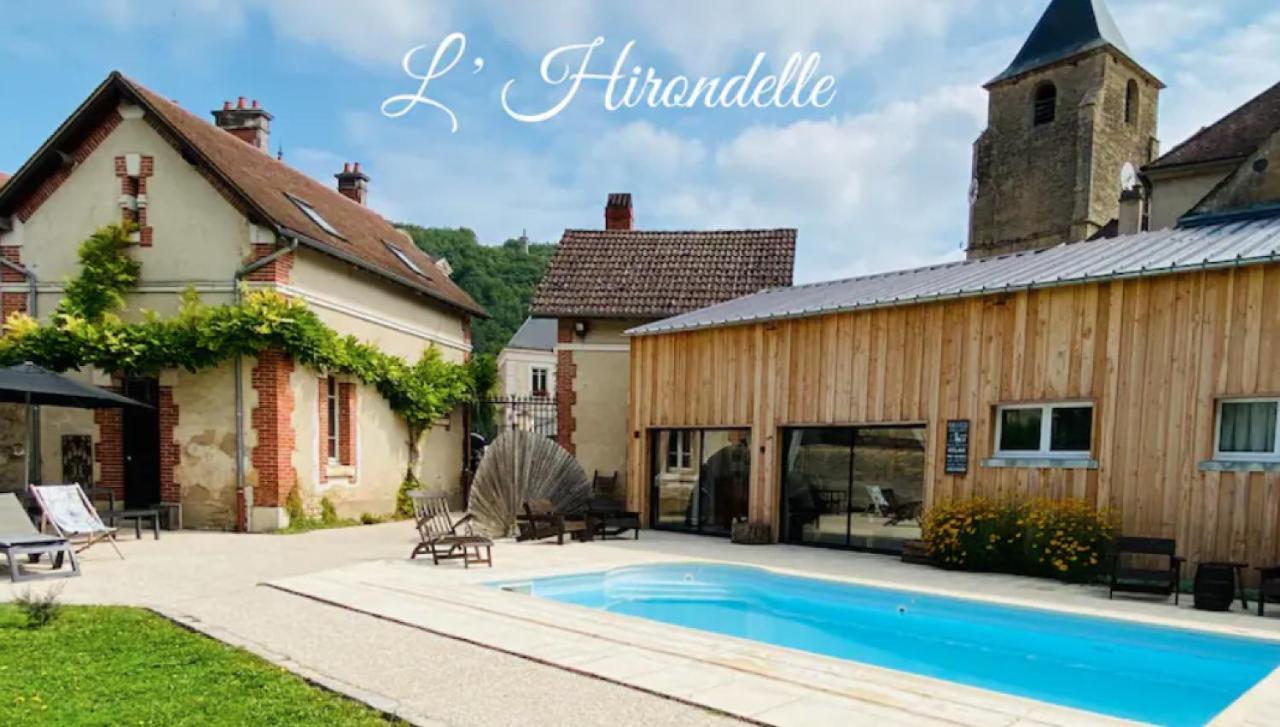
(1037, 186)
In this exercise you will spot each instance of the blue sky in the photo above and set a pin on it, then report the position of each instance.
(875, 181)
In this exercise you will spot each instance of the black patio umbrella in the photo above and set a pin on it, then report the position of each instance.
(34, 386)
(29, 384)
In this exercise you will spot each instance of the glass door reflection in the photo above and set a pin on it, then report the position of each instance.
(701, 479)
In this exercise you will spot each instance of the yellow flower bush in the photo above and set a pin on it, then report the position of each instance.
(1063, 539)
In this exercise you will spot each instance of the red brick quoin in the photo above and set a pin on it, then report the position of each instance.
(565, 396)
(108, 452)
(271, 419)
(170, 452)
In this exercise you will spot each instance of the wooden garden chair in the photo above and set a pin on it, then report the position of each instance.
(443, 537)
(541, 521)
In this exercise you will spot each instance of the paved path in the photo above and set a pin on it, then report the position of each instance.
(212, 581)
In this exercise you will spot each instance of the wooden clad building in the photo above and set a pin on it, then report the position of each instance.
(1131, 372)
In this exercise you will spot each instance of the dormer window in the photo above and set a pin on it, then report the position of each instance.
(404, 259)
(314, 216)
(1045, 107)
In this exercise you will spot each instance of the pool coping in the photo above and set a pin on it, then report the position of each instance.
(636, 652)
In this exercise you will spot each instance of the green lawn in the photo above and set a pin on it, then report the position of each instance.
(99, 665)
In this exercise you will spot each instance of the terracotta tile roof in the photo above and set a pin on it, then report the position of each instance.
(1234, 136)
(264, 186)
(644, 273)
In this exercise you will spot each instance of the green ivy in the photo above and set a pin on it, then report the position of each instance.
(86, 331)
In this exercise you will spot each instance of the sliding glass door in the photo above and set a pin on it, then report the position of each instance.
(858, 487)
(701, 479)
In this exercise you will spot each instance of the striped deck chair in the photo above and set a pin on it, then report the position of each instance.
(68, 510)
(442, 536)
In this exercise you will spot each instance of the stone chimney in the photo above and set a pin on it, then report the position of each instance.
(617, 212)
(353, 183)
(249, 123)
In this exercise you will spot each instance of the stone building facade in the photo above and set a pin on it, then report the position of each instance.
(1064, 120)
(229, 444)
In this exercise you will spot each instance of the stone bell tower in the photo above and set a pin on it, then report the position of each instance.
(1064, 120)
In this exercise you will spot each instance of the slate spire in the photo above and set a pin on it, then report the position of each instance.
(1067, 28)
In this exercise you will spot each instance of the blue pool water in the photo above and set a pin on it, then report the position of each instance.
(1152, 674)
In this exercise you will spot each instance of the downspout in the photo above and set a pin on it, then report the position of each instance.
(34, 467)
(245, 494)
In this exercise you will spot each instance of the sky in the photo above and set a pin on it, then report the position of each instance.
(875, 180)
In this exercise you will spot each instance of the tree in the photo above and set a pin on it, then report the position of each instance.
(501, 278)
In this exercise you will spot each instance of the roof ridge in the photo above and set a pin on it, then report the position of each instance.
(1229, 116)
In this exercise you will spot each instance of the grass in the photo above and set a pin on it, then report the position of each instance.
(98, 665)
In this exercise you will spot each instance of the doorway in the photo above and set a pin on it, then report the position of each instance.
(141, 444)
(701, 479)
(853, 487)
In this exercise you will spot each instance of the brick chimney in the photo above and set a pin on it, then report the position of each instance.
(249, 123)
(617, 212)
(353, 183)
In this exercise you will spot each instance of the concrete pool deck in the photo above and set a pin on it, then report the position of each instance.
(745, 679)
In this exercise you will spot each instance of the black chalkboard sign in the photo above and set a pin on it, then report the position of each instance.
(957, 462)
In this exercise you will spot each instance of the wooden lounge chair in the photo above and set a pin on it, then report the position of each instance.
(1154, 580)
(71, 515)
(443, 537)
(541, 521)
(19, 537)
(607, 513)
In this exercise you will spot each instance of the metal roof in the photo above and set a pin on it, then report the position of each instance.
(1067, 28)
(1208, 244)
(537, 334)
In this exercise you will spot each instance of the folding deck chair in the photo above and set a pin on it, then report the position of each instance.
(68, 510)
(19, 537)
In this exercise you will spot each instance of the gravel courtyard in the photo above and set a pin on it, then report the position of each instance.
(211, 581)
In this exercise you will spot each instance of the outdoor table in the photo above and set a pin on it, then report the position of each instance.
(137, 516)
(1215, 582)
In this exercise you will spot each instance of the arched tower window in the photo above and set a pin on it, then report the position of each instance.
(1046, 104)
(1131, 102)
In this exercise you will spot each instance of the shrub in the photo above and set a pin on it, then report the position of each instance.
(368, 518)
(293, 506)
(404, 505)
(39, 610)
(328, 513)
(1063, 539)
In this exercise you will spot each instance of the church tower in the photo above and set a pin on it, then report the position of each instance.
(1071, 116)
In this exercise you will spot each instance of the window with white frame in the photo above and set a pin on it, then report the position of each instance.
(538, 383)
(331, 410)
(1044, 430)
(1247, 429)
(680, 450)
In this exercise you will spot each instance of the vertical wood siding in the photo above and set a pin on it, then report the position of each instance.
(1152, 354)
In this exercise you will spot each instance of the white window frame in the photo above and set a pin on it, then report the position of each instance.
(676, 444)
(333, 407)
(1046, 430)
(1272, 456)
(534, 373)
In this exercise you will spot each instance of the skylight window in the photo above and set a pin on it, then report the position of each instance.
(314, 216)
(403, 258)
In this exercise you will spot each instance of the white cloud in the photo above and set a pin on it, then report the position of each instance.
(641, 149)
(1208, 81)
(374, 33)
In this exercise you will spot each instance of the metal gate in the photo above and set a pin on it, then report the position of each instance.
(536, 414)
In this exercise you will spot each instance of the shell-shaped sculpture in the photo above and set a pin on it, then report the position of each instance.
(520, 466)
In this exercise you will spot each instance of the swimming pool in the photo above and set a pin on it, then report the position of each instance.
(1148, 673)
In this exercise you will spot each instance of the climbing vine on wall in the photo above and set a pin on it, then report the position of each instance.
(86, 330)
